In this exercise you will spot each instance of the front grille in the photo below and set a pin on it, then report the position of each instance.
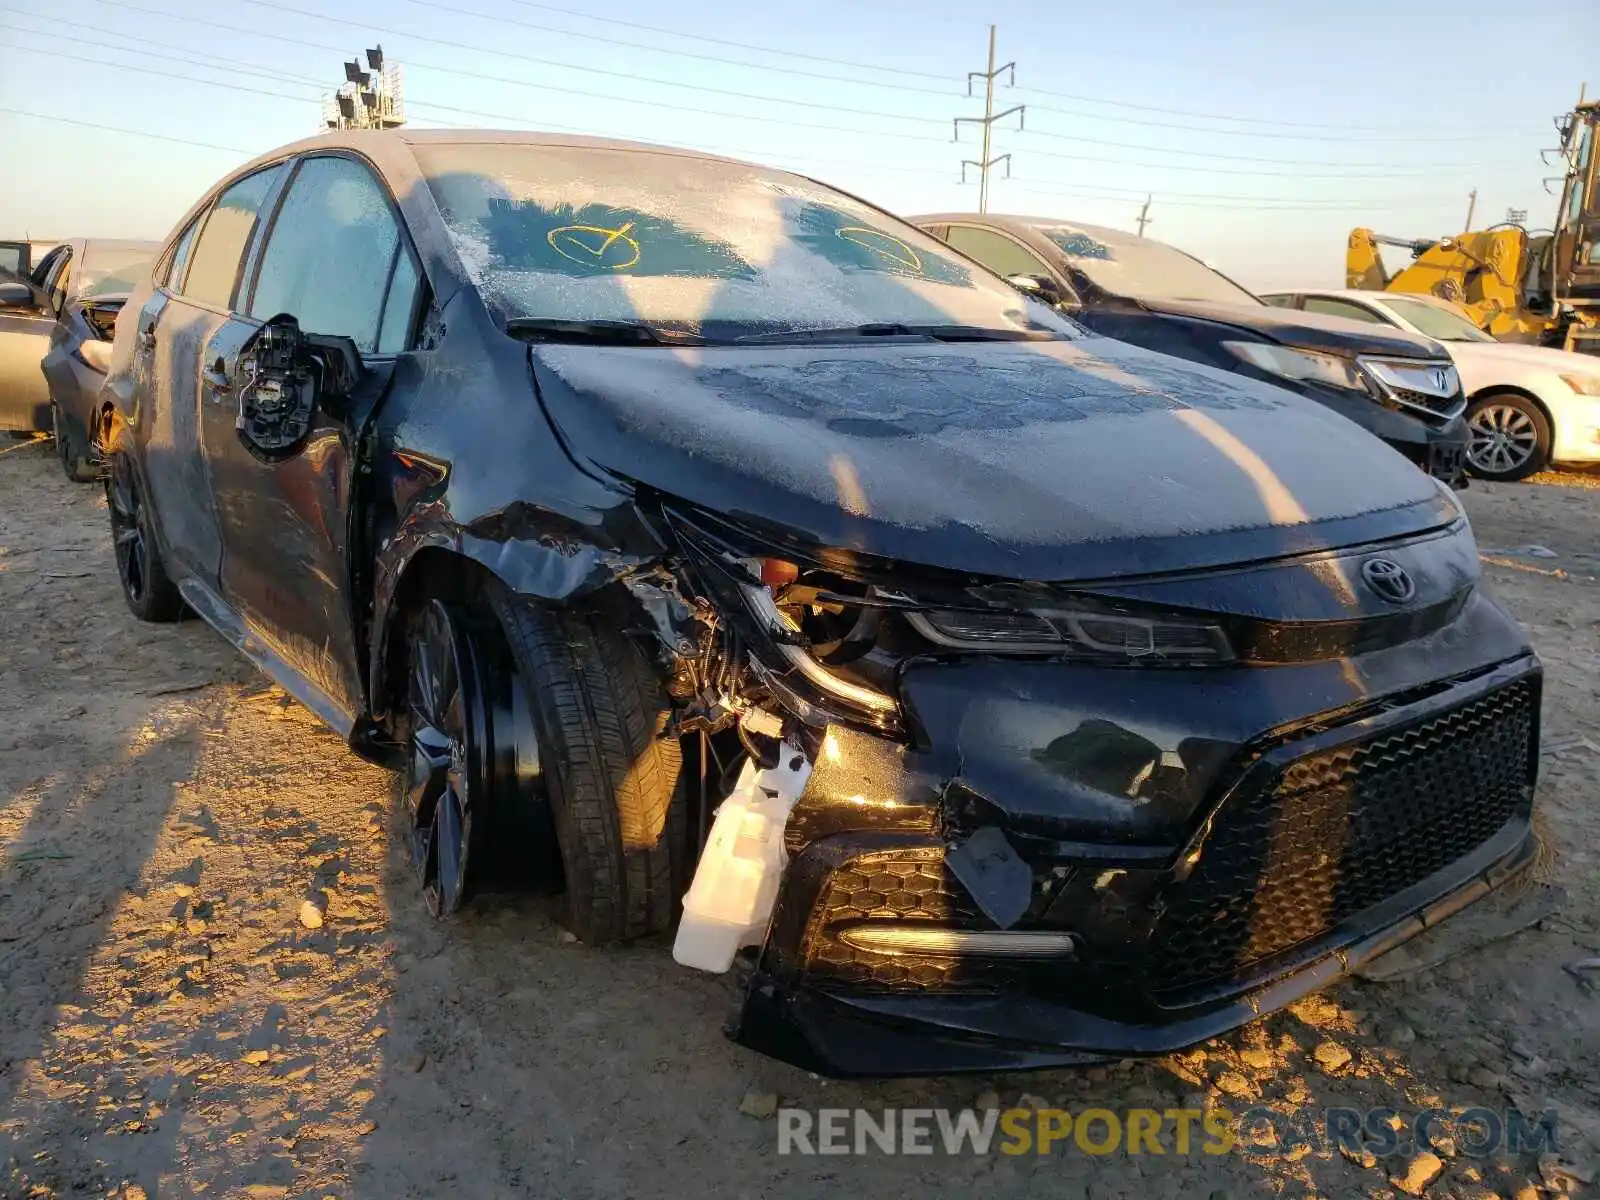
(1444, 407)
(1337, 832)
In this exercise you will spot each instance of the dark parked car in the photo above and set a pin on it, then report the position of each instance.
(1399, 386)
(1106, 701)
(56, 327)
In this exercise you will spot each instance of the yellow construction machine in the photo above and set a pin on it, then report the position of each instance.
(1540, 286)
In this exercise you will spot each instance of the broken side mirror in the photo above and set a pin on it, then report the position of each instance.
(288, 376)
(1040, 287)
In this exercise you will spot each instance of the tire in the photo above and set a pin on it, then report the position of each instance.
(613, 780)
(76, 460)
(146, 586)
(1510, 437)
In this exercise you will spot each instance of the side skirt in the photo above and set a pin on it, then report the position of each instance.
(215, 612)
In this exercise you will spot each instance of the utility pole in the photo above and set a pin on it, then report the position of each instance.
(1144, 217)
(1472, 203)
(987, 121)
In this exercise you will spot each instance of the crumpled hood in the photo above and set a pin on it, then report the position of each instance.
(1307, 331)
(1048, 461)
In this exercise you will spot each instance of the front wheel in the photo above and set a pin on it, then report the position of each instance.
(1510, 437)
(76, 461)
(612, 772)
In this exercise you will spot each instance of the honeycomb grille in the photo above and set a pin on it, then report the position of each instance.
(1341, 831)
(898, 885)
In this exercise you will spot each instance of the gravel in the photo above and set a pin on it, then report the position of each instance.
(558, 1070)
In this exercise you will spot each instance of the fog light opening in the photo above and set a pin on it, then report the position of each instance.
(887, 938)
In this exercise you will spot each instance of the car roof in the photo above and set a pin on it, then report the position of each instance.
(374, 140)
(1113, 237)
(121, 243)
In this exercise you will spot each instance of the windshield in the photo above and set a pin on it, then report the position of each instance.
(105, 270)
(717, 249)
(1144, 270)
(1438, 323)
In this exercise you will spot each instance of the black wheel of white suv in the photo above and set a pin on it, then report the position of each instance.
(1510, 437)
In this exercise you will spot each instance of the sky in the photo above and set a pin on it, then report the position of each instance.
(1263, 131)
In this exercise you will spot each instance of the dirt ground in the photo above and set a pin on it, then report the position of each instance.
(170, 1027)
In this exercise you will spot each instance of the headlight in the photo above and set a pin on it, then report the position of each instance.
(1301, 366)
(1584, 385)
(1085, 635)
(784, 628)
(95, 355)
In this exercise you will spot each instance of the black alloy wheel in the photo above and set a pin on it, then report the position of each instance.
(444, 775)
(150, 593)
(473, 762)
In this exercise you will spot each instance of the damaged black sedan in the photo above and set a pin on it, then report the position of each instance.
(723, 553)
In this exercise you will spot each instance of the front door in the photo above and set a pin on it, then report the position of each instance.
(338, 262)
(24, 341)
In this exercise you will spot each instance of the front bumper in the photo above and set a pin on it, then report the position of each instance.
(74, 387)
(1314, 853)
(1437, 446)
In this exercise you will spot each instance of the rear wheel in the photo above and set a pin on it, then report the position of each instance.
(611, 771)
(149, 591)
(1510, 437)
(75, 457)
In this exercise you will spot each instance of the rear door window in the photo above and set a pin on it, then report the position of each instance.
(1348, 309)
(214, 261)
(336, 259)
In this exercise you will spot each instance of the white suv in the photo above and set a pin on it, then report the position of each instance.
(1528, 406)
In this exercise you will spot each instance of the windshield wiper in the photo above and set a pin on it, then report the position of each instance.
(604, 333)
(878, 329)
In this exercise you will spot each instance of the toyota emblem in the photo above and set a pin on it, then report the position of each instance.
(1389, 579)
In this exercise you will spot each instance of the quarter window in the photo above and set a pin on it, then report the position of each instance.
(214, 261)
(180, 257)
(336, 261)
(997, 252)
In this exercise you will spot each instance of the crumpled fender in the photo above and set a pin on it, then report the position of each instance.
(534, 552)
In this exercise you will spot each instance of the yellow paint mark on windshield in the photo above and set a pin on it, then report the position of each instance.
(884, 245)
(590, 245)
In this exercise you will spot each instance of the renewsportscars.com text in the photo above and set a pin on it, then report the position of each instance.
(1179, 1132)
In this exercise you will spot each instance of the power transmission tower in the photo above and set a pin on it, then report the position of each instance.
(987, 121)
(369, 99)
(1144, 217)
